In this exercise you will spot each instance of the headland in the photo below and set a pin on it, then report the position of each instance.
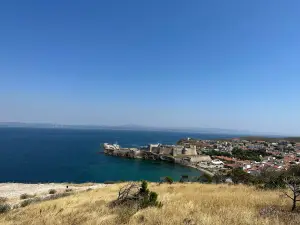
(252, 154)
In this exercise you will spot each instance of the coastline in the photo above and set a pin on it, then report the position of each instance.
(201, 170)
(134, 153)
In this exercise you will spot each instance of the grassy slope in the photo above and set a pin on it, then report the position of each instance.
(183, 204)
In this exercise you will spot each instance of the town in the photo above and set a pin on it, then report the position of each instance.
(253, 155)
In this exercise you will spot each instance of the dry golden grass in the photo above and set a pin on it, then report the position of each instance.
(183, 204)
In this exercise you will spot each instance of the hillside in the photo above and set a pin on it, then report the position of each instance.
(182, 204)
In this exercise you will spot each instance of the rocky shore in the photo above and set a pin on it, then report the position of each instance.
(135, 153)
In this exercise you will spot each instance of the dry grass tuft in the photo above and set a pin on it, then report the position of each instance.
(182, 204)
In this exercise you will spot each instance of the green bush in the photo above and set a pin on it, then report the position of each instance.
(52, 191)
(144, 188)
(26, 196)
(206, 178)
(217, 153)
(148, 198)
(169, 180)
(25, 202)
(30, 201)
(238, 175)
(135, 196)
(4, 208)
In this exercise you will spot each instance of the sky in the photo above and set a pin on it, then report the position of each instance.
(215, 64)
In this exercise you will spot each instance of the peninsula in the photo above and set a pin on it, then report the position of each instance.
(252, 154)
(185, 154)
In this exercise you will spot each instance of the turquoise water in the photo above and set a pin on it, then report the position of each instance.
(59, 155)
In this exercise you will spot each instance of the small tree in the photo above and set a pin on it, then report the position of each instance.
(219, 178)
(139, 195)
(4, 208)
(293, 183)
(238, 175)
(144, 188)
(206, 178)
(168, 180)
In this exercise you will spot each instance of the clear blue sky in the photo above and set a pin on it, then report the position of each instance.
(223, 64)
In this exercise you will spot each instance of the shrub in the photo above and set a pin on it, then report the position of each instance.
(132, 195)
(169, 180)
(56, 196)
(25, 203)
(30, 201)
(26, 196)
(219, 178)
(4, 208)
(3, 199)
(240, 176)
(206, 178)
(52, 191)
(144, 188)
(148, 198)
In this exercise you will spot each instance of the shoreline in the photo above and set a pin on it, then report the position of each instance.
(143, 155)
(201, 170)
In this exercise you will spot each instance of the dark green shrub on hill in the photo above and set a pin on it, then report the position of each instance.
(248, 154)
(219, 178)
(168, 180)
(238, 175)
(217, 153)
(52, 191)
(4, 208)
(29, 201)
(206, 178)
(26, 196)
(148, 198)
(136, 196)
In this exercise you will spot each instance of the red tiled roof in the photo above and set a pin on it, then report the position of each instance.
(225, 158)
(232, 165)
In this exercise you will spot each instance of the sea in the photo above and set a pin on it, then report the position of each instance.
(40, 155)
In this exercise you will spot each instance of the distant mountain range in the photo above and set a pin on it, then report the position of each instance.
(131, 127)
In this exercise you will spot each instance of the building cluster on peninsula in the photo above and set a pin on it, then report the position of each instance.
(251, 154)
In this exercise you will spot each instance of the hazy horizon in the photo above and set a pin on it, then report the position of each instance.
(213, 130)
(199, 64)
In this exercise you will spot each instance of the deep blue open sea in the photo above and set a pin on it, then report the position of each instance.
(33, 155)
